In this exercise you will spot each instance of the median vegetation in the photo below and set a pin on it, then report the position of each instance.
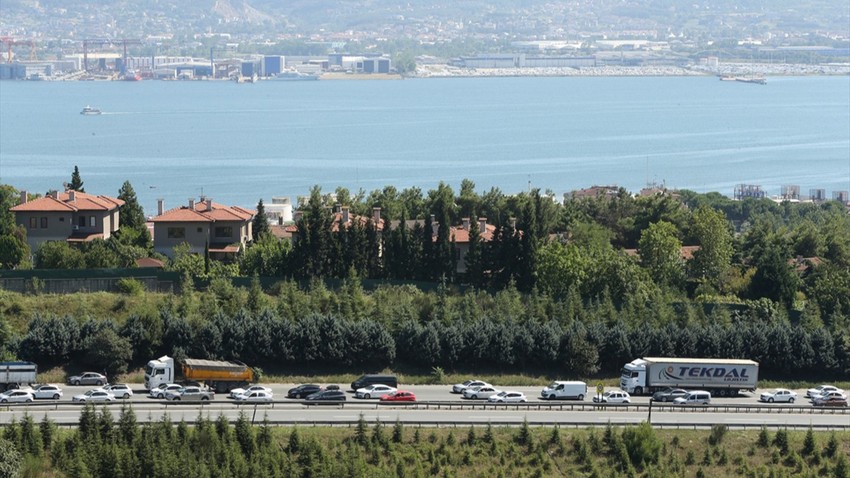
(103, 446)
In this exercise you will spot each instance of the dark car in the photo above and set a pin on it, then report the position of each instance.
(366, 380)
(303, 391)
(668, 394)
(327, 396)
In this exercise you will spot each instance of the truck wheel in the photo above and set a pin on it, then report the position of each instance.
(581, 397)
(638, 390)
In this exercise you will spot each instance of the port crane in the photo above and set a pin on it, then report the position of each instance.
(10, 42)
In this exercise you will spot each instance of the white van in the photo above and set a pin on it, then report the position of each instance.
(564, 390)
(697, 397)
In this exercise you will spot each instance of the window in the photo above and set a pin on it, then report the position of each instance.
(92, 221)
(61, 219)
(33, 222)
(44, 223)
(226, 231)
(200, 230)
(176, 232)
(82, 221)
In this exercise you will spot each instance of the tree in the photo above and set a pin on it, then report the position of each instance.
(76, 183)
(660, 253)
(13, 251)
(132, 216)
(261, 222)
(59, 255)
(775, 278)
(711, 231)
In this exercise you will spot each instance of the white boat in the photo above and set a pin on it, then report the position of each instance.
(88, 110)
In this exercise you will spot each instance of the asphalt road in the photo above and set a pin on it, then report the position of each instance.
(572, 413)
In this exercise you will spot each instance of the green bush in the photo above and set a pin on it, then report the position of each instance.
(130, 286)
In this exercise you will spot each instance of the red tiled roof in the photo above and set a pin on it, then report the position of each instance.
(201, 213)
(62, 203)
(149, 262)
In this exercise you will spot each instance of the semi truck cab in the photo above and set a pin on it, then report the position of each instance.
(633, 377)
(159, 371)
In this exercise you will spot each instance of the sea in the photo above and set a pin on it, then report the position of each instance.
(237, 143)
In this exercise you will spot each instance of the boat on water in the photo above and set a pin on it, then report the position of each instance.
(132, 75)
(88, 110)
(294, 76)
(754, 79)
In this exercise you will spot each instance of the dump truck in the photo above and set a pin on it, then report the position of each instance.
(721, 377)
(221, 376)
(15, 374)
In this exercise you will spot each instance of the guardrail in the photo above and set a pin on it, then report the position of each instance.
(458, 405)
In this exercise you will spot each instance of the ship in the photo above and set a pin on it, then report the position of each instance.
(89, 111)
(294, 76)
(132, 76)
(753, 79)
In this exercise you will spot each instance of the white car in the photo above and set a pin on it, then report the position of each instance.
(16, 396)
(826, 397)
(821, 390)
(96, 395)
(374, 391)
(613, 396)
(256, 396)
(47, 391)
(236, 392)
(460, 387)
(120, 390)
(161, 390)
(508, 397)
(778, 395)
(480, 393)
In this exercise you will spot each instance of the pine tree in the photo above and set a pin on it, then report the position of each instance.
(261, 222)
(132, 216)
(76, 183)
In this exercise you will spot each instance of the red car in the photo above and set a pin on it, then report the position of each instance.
(399, 396)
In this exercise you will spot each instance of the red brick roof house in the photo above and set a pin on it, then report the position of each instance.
(69, 216)
(341, 217)
(225, 228)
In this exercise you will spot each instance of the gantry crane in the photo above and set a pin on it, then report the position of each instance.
(10, 42)
(105, 41)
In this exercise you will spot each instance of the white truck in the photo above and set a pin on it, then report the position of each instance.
(721, 377)
(15, 374)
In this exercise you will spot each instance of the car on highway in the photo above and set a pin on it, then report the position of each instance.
(257, 396)
(399, 396)
(236, 392)
(694, 397)
(668, 394)
(508, 397)
(187, 394)
(16, 396)
(374, 391)
(834, 395)
(303, 390)
(778, 395)
(327, 396)
(96, 395)
(460, 387)
(159, 391)
(613, 396)
(820, 390)
(88, 378)
(120, 390)
(47, 391)
(480, 393)
(832, 401)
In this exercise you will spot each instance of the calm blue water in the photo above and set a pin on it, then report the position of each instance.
(239, 142)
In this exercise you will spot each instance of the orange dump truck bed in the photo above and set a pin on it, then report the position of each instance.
(201, 370)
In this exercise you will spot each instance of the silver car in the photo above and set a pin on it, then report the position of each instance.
(97, 395)
(120, 390)
(88, 378)
(189, 394)
(47, 392)
(16, 396)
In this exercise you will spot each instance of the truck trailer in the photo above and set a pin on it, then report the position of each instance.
(721, 377)
(15, 374)
(221, 376)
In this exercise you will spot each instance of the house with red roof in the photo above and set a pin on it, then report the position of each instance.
(70, 216)
(226, 229)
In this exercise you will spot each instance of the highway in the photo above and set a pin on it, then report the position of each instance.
(437, 406)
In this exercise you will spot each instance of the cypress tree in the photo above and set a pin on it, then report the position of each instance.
(76, 183)
(261, 222)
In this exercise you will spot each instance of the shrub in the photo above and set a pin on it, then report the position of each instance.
(718, 431)
(130, 286)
